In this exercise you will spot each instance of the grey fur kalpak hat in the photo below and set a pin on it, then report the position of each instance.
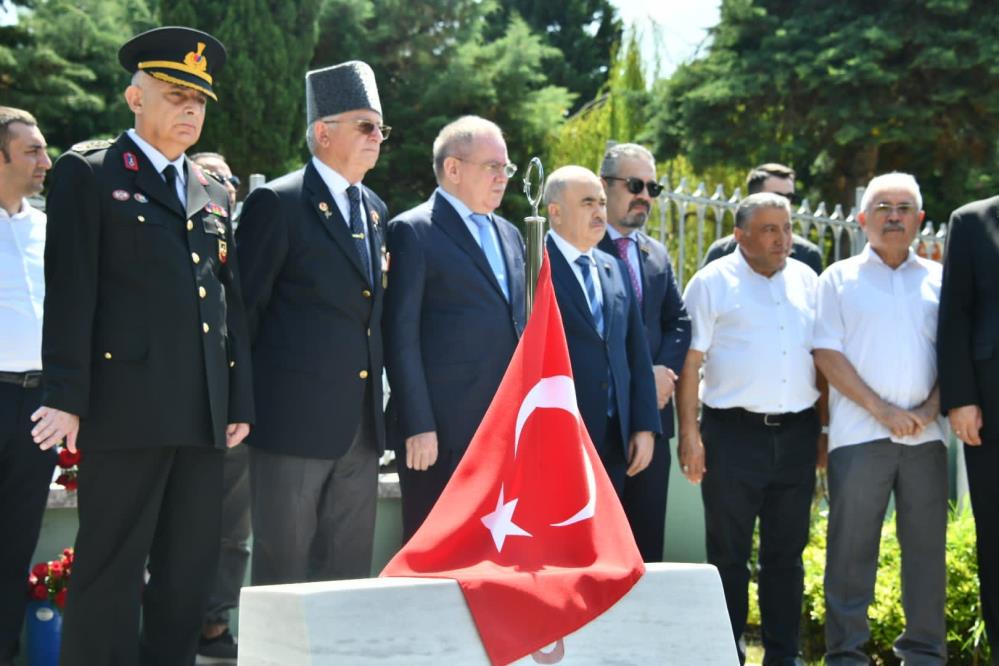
(345, 87)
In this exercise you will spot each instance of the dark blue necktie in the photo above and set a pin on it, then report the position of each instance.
(357, 230)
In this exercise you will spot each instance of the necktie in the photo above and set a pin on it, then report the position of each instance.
(584, 262)
(492, 252)
(357, 229)
(622, 251)
(170, 173)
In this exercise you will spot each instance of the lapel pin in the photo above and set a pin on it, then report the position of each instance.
(223, 251)
(131, 161)
(374, 216)
(140, 197)
(325, 208)
(121, 195)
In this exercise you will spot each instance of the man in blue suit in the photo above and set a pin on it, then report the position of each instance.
(313, 293)
(611, 366)
(454, 310)
(628, 167)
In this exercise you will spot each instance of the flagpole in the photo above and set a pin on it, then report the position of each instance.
(534, 227)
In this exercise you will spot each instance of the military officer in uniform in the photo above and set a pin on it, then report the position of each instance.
(144, 360)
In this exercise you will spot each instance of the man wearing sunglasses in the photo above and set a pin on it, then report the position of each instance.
(778, 179)
(629, 179)
(313, 286)
(454, 310)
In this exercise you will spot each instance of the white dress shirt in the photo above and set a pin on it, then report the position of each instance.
(756, 334)
(885, 322)
(465, 213)
(160, 162)
(337, 185)
(633, 259)
(22, 288)
(571, 254)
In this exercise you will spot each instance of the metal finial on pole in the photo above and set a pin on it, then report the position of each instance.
(534, 226)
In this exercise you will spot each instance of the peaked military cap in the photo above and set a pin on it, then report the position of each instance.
(183, 56)
(345, 87)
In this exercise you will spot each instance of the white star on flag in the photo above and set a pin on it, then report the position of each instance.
(500, 522)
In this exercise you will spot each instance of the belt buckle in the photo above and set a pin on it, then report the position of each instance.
(768, 422)
(29, 378)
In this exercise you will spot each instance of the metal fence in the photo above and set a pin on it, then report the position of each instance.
(689, 220)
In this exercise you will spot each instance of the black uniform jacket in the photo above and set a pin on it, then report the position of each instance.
(144, 334)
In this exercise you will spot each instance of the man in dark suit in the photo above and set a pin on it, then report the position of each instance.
(778, 179)
(611, 366)
(968, 369)
(312, 281)
(454, 310)
(145, 360)
(667, 326)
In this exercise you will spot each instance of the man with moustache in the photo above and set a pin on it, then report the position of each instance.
(627, 167)
(779, 179)
(611, 366)
(145, 360)
(26, 470)
(454, 310)
(310, 243)
(755, 450)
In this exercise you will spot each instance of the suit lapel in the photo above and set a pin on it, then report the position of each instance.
(147, 178)
(610, 290)
(375, 238)
(565, 276)
(644, 253)
(446, 218)
(328, 214)
(197, 192)
(510, 244)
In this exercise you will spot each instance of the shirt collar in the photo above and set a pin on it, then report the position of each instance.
(615, 234)
(464, 212)
(157, 158)
(568, 251)
(336, 183)
(869, 255)
(23, 214)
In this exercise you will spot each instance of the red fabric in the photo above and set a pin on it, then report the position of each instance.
(539, 587)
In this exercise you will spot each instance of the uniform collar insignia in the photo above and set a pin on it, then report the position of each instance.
(131, 161)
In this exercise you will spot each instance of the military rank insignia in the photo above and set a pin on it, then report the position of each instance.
(216, 209)
(223, 251)
(131, 161)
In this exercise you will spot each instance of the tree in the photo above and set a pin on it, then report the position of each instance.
(843, 91)
(259, 121)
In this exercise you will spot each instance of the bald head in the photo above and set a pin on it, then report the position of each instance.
(577, 206)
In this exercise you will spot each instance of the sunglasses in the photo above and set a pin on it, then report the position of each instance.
(232, 180)
(636, 185)
(365, 127)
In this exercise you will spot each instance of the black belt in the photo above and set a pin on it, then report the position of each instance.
(30, 379)
(756, 418)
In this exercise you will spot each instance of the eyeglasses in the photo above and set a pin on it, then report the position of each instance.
(885, 208)
(636, 185)
(365, 127)
(494, 168)
(232, 180)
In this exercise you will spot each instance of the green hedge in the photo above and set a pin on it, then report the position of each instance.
(966, 643)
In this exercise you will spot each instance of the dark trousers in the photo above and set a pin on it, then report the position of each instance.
(759, 471)
(314, 519)
(421, 490)
(983, 471)
(234, 546)
(25, 472)
(644, 502)
(611, 451)
(160, 503)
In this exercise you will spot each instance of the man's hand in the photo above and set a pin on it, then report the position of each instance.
(640, 448)
(235, 433)
(966, 422)
(691, 453)
(54, 425)
(901, 422)
(421, 451)
(665, 384)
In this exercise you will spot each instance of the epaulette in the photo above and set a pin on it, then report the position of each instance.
(85, 147)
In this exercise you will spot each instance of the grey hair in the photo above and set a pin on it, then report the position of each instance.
(557, 180)
(754, 202)
(895, 180)
(619, 151)
(456, 139)
(310, 138)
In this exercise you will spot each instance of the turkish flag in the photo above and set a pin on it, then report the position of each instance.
(529, 525)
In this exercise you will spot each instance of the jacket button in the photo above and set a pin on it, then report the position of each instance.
(366, 293)
(232, 364)
(107, 355)
(190, 225)
(195, 258)
(363, 374)
(202, 292)
(142, 218)
(369, 332)
(204, 327)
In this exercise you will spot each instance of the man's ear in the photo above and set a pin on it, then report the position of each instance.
(554, 213)
(133, 97)
(738, 232)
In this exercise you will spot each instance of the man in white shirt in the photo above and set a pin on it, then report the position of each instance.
(752, 314)
(875, 335)
(24, 481)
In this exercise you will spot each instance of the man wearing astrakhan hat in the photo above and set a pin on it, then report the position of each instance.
(145, 360)
(310, 245)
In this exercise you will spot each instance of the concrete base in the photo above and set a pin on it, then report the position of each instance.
(674, 615)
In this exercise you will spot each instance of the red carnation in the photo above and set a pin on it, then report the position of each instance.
(40, 592)
(32, 580)
(62, 479)
(60, 598)
(70, 484)
(55, 569)
(68, 459)
(40, 570)
(67, 556)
